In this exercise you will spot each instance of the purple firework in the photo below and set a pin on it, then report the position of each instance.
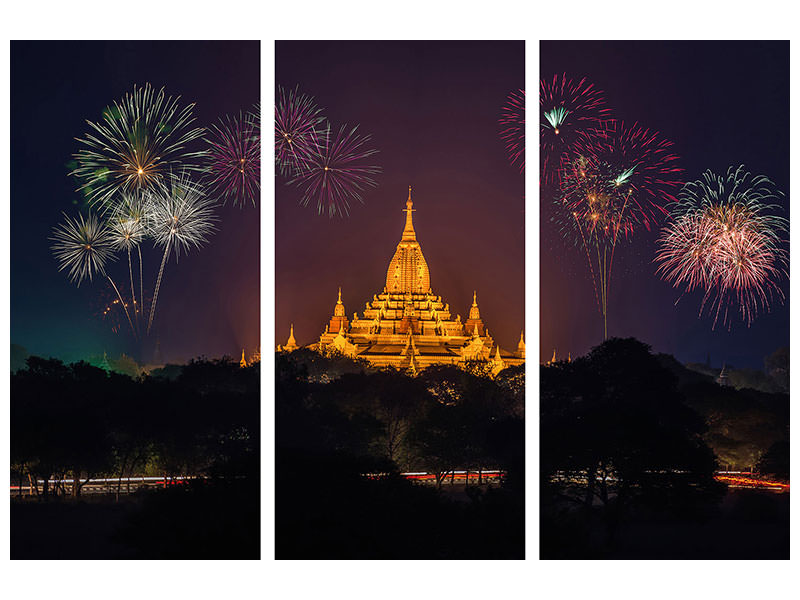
(338, 171)
(234, 159)
(512, 133)
(296, 121)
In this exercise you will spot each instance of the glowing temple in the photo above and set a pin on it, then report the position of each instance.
(407, 326)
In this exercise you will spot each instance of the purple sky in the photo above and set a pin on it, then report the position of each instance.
(432, 109)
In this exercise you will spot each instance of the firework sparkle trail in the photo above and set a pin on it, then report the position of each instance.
(140, 139)
(183, 218)
(296, 120)
(512, 122)
(338, 172)
(566, 108)
(234, 159)
(724, 238)
(84, 247)
(619, 179)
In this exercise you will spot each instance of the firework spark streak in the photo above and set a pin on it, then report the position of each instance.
(128, 226)
(183, 218)
(338, 172)
(512, 123)
(83, 247)
(566, 109)
(724, 238)
(296, 121)
(234, 159)
(619, 179)
(140, 139)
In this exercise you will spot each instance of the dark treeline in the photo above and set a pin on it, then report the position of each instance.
(630, 443)
(80, 422)
(338, 420)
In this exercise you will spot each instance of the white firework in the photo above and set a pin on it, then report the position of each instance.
(82, 247)
(182, 218)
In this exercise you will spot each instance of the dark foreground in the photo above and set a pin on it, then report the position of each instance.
(325, 510)
(201, 521)
(747, 524)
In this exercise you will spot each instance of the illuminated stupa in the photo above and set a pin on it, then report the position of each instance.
(407, 326)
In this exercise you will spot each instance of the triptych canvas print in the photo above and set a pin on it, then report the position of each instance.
(395, 405)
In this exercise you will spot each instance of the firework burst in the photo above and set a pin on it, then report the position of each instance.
(234, 159)
(619, 179)
(296, 121)
(724, 238)
(338, 172)
(83, 248)
(183, 218)
(140, 139)
(129, 223)
(512, 123)
(566, 109)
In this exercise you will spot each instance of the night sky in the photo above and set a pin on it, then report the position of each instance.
(722, 104)
(432, 109)
(209, 301)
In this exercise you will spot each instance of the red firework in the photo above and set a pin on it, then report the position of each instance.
(620, 177)
(512, 122)
(566, 109)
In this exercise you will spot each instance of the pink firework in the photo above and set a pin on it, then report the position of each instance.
(338, 172)
(234, 159)
(296, 122)
(566, 109)
(512, 123)
(725, 240)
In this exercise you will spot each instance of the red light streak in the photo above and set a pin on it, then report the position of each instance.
(751, 482)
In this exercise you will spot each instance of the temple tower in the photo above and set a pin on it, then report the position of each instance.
(339, 319)
(408, 272)
(474, 320)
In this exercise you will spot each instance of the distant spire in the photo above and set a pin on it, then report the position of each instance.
(497, 354)
(339, 301)
(291, 343)
(552, 360)
(409, 235)
(243, 362)
(474, 298)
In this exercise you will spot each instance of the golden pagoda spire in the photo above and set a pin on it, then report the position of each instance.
(291, 344)
(553, 360)
(409, 235)
(474, 311)
(338, 310)
(243, 362)
(408, 272)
